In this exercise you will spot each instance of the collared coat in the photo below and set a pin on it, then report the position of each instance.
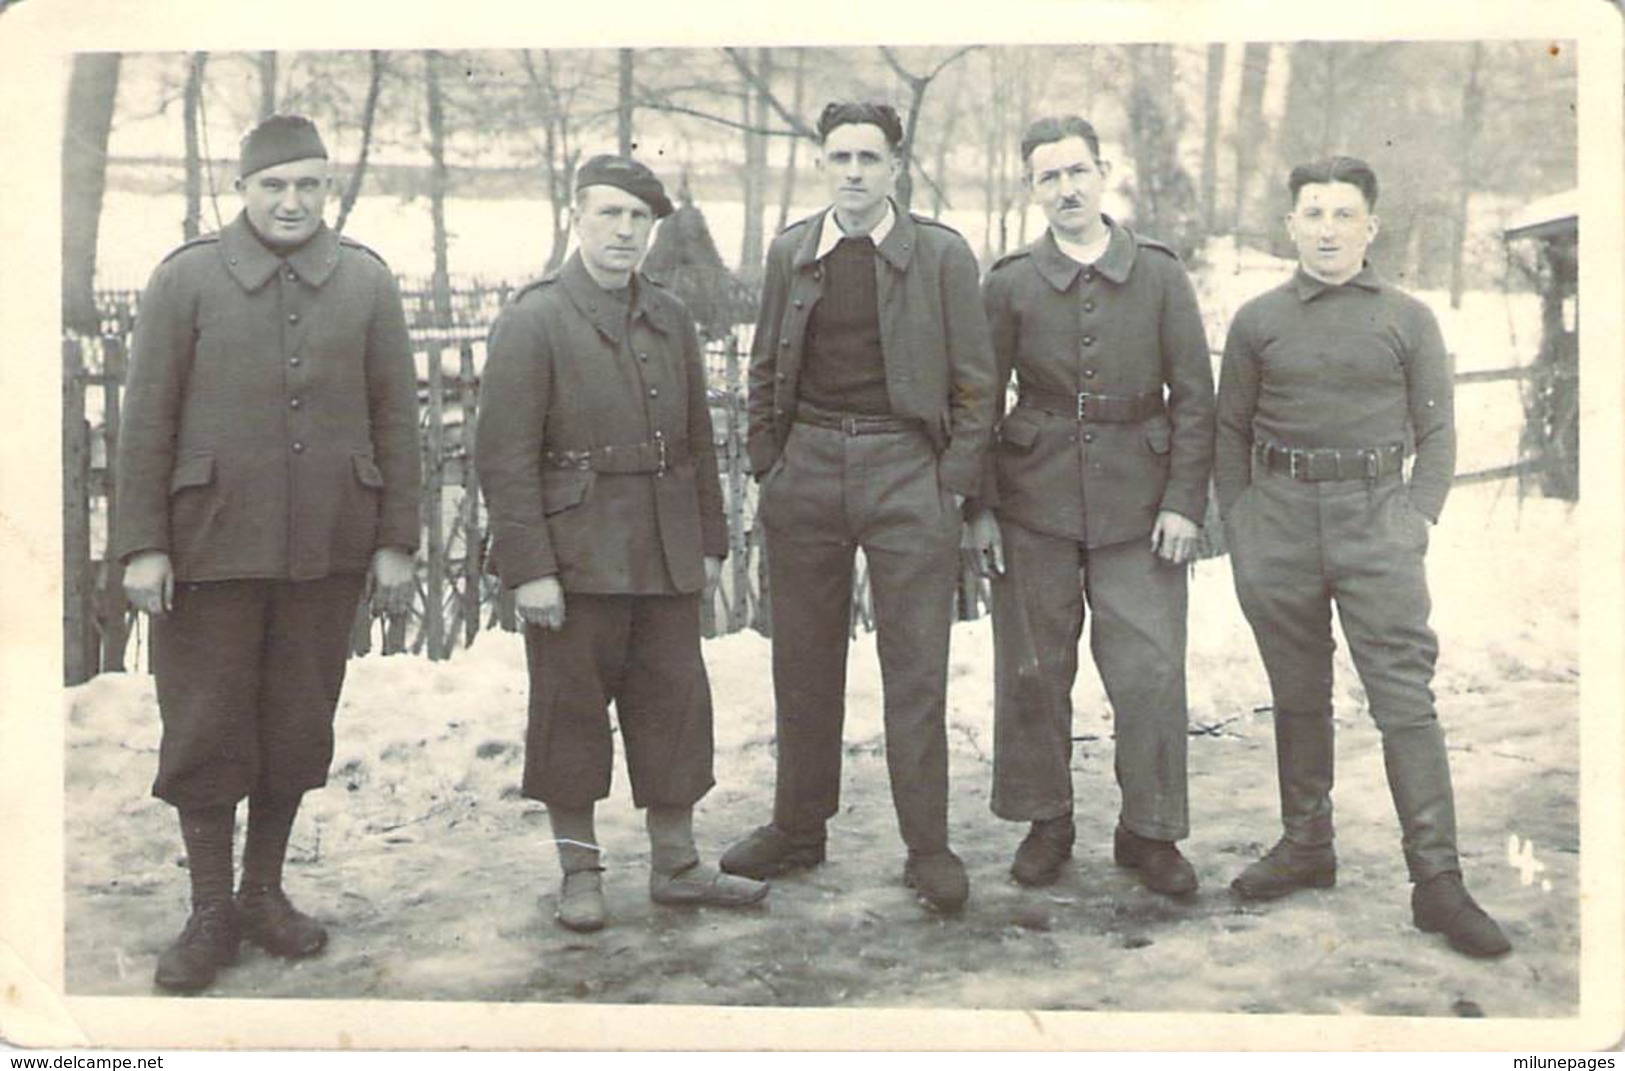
(571, 369)
(270, 424)
(1129, 325)
(933, 340)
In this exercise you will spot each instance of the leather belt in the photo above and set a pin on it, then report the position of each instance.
(855, 423)
(655, 456)
(1357, 463)
(1100, 408)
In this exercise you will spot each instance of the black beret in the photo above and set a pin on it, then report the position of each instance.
(277, 140)
(627, 174)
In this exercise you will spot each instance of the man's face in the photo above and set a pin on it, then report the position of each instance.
(1332, 227)
(613, 228)
(1067, 182)
(284, 202)
(859, 168)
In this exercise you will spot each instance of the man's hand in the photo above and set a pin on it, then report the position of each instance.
(149, 582)
(1174, 536)
(541, 602)
(713, 575)
(393, 580)
(981, 542)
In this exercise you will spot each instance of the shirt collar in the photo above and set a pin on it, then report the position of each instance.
(606, 314)
(1060, 270)
(1309, 288)
(830, 232)
(252, 263)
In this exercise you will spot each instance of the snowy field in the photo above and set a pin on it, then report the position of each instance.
(438, 880)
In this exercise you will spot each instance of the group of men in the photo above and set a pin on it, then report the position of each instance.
(1055, 424)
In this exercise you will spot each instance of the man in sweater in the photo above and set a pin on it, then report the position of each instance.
(871, 397)
(1327, 382)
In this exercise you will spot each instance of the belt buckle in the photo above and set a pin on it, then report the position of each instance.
(1083, 405)
(1372, 468)
(1292, 457)
(660, 454)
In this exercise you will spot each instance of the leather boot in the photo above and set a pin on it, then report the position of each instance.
(1441, 904)
(208, 943)
(1304, 766)
(1045, 849)
(1419, 781)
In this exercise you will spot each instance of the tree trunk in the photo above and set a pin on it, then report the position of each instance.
(92, 90)
(194, 165)
(1249, 129)
(787, 191)
(267, 84)
(369, 115)
(754, 174)
(1472, 118)
(433, 602)
(623, 105)
(1210, 138)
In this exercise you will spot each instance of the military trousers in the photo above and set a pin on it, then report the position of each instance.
(641, 653)
(1137, 641)
(249, 674)
(831, 493)
(1297, 549)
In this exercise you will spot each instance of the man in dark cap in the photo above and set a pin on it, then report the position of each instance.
(1327, 381)
(1102, 468)
(268, 471)
(595, 453)
(871, 396)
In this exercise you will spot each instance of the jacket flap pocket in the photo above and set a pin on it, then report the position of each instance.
(1020, 429)
(366, 470)
(1159, 434)
(564, 489)
(193, 472)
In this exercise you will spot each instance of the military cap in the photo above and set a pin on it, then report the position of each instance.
(279, 139)
(627, 174)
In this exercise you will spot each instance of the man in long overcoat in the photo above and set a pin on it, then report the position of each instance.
(1101, 466)
(268, 465)
(595, 452)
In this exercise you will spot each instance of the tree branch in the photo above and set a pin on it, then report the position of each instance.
(791, 120)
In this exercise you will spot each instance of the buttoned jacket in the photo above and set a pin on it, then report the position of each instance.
(573, 376)
(933, 339)
(270, 423)
(1127, 326)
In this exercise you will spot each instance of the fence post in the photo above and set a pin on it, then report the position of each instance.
(79, 654)
(738, 532)
(112, 616)
(434, 475)
(473, 543)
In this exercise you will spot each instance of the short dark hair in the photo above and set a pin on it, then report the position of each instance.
(1058, 128)
(846, 113)
(1349, 169)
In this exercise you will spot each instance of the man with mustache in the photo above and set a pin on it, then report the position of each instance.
(871, 395)
(267, 471)
(594, 449)
(1327, 381)
(1102, 466)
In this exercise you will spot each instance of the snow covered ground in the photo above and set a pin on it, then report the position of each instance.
(438, 881)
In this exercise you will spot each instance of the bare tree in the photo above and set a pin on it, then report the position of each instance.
(797, 102)
(753, 176)
(92, 90)
(624, 104)
(1472, 119)
(376, 62)
(193, 103)
(1210, 137)
(267, 64)
(1249, 127)
(917, 85)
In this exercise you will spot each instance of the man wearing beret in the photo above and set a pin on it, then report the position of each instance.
(267, 473)
(871, 397)
(1102, 468)
(1328, 381)
(595, 452)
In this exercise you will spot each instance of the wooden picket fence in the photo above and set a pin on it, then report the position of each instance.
(455, 599)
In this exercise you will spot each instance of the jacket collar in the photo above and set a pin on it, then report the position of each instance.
(1309, 288)
(604, 312)
(252, 263)
(1060, 270)
(896, 248)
